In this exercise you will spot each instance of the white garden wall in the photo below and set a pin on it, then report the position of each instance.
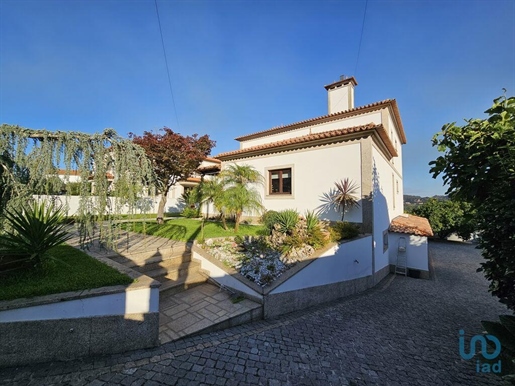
(342, 262)
(337, 271)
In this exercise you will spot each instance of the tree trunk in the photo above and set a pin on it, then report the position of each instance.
(161, 207)
(222, 217)
(237, 219)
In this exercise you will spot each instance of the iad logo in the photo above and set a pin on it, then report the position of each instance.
(482, 367)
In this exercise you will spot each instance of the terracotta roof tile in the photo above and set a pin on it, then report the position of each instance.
(210, 159)
(410, 224)
(63, 172)
(343, 114)
(307, 139)
(193, 179)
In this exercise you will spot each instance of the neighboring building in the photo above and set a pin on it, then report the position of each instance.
(68, 176)
(302, 161)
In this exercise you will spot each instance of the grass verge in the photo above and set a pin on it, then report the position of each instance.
(70, 270)
(183, 229)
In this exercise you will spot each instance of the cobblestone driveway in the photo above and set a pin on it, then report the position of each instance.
(403, 332)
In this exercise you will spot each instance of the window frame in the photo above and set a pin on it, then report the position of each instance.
(281, 192)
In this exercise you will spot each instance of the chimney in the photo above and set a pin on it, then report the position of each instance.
(340, 94)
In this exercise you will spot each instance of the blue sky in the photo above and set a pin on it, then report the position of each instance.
(243, 66)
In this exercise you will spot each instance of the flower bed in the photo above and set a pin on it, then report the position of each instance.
(252, 258)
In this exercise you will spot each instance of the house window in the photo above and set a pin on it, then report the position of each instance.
(385, 240)
(279, 181)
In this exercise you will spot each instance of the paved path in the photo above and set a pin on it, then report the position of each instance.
(200, 309)
(403, 332)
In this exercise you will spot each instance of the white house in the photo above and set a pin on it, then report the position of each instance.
(302, 161)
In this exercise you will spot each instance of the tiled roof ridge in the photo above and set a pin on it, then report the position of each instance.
(304, 139)
(410, 224)
(292, 125)
(212, 159)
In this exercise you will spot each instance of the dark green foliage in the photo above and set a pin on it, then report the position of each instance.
(447, 217)
(32, 232)
(343, 230)
(268, 219)
(478, 164)
(316, 238)
(286, 220)
(505, 332)
(190, 212)
(311, 220)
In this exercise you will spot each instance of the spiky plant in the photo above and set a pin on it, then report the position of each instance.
(344, 195)
(311, 220)
(32, 232)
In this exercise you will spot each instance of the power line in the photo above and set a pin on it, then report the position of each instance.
(167, 68)
(359, 48)
(361, 37)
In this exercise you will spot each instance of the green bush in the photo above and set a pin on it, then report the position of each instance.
(343, 230)
(268, 219)
(31, 233)
(189, 212)
(316, 238)
(286, 220)
(311, 220)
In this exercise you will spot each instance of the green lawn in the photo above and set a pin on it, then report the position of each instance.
(183, 229)
(72, 270)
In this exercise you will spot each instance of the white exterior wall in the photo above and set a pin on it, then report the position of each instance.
(139, 301)
(396, 141)
(387, 203)
(416, 250)
(358, 120)
(346, 261)
(70, 178)
(340, 98)
(314, 171)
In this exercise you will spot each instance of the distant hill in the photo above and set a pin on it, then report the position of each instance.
(411, 201)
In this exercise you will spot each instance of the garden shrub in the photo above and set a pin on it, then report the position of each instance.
(189, 212)
(31, 233)
(285, 220)
(268, 219)
(343, 230)
(311, 220)
(316, 238)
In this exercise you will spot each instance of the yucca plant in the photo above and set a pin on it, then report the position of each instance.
(344, 196)
(32, 232)
(287, 219)
(311, 221)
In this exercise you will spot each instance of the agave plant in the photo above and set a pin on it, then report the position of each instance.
(344, 195)
(311, 220)
(32, 232)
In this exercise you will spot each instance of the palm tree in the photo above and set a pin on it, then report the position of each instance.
(239, 195)
(213, 191)
(343, 197)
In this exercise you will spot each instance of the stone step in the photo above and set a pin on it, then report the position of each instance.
(172, 287)
(137, 261)
(152, 253)
(171, 269)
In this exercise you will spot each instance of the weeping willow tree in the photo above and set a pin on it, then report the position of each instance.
(114, 173)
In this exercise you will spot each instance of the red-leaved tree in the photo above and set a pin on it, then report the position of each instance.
(174, 158)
